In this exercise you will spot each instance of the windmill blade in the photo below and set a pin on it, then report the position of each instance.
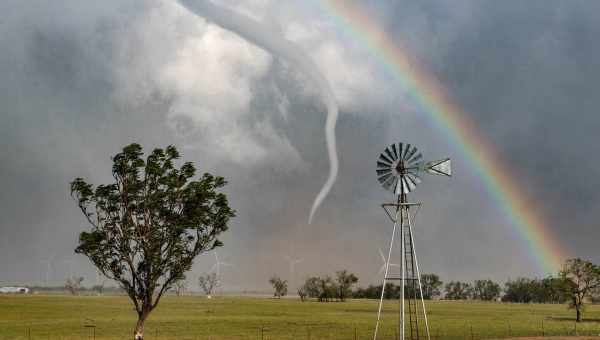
(410, 154)
(408, 185)
(390, 182)
(385, 159)
(389, 154)
(414, 177)
(383, 171)
(441, 167)
(381, 165)
(411, 184)
(406, 151)
(399, 188)
(415, 158)
(383, 178)
(395, 151)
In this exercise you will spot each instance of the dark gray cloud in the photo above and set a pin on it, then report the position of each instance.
(80, 81)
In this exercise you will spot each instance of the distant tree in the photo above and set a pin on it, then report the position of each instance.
(302, 293)
(99, 288)
(150, 223)
(280, 286)
(486, 290)
(324, 289)
(581, 279)
(521, 290)
(456, 290)
(345, 281)
(327, 289)
(179, 287)
(549, 290)
(208, 283)
(431, 284)
(312, 287)
(73, 284)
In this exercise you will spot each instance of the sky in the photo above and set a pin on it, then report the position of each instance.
(80, 81)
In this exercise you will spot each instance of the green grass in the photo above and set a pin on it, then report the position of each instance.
(195, 317)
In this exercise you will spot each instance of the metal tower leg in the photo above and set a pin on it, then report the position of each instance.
(419, 280)
(385, 275)
(410, 277)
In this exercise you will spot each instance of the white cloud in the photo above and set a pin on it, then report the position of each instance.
(209, 76)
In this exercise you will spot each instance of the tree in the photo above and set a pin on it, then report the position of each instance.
(302, 293)
(581, 279)
(456, 290)
(312, 286)
(324, 289)
(345, 281)
(550, 290)
(327, 289)
(150, 223)
(99, 288)
(520, 290)
(279, 285)
(208, 283)
(486, 290)
(431, 286)
(73, 284)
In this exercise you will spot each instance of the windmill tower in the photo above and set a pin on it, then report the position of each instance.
(399, 170)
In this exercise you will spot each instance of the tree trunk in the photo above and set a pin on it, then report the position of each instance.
(138, 334)
(578, 314)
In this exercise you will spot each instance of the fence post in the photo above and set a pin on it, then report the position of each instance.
(509, 330)
(308, 331)
(543, 333)
(575, 327)
(262, 332)
(472, 332)
(355, 333)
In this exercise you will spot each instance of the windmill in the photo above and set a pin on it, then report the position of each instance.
(399, 170)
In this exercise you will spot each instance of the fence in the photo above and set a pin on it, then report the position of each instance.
(181, 331)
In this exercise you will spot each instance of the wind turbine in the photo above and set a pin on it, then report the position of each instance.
(382, 269)
(48, 264)
(217, 267)
(293, 262)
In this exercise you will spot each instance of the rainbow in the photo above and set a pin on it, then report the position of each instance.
(527, 223)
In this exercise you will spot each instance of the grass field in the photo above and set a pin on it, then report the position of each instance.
(195, 317)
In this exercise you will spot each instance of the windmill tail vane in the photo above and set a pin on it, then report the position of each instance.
(400, 168)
